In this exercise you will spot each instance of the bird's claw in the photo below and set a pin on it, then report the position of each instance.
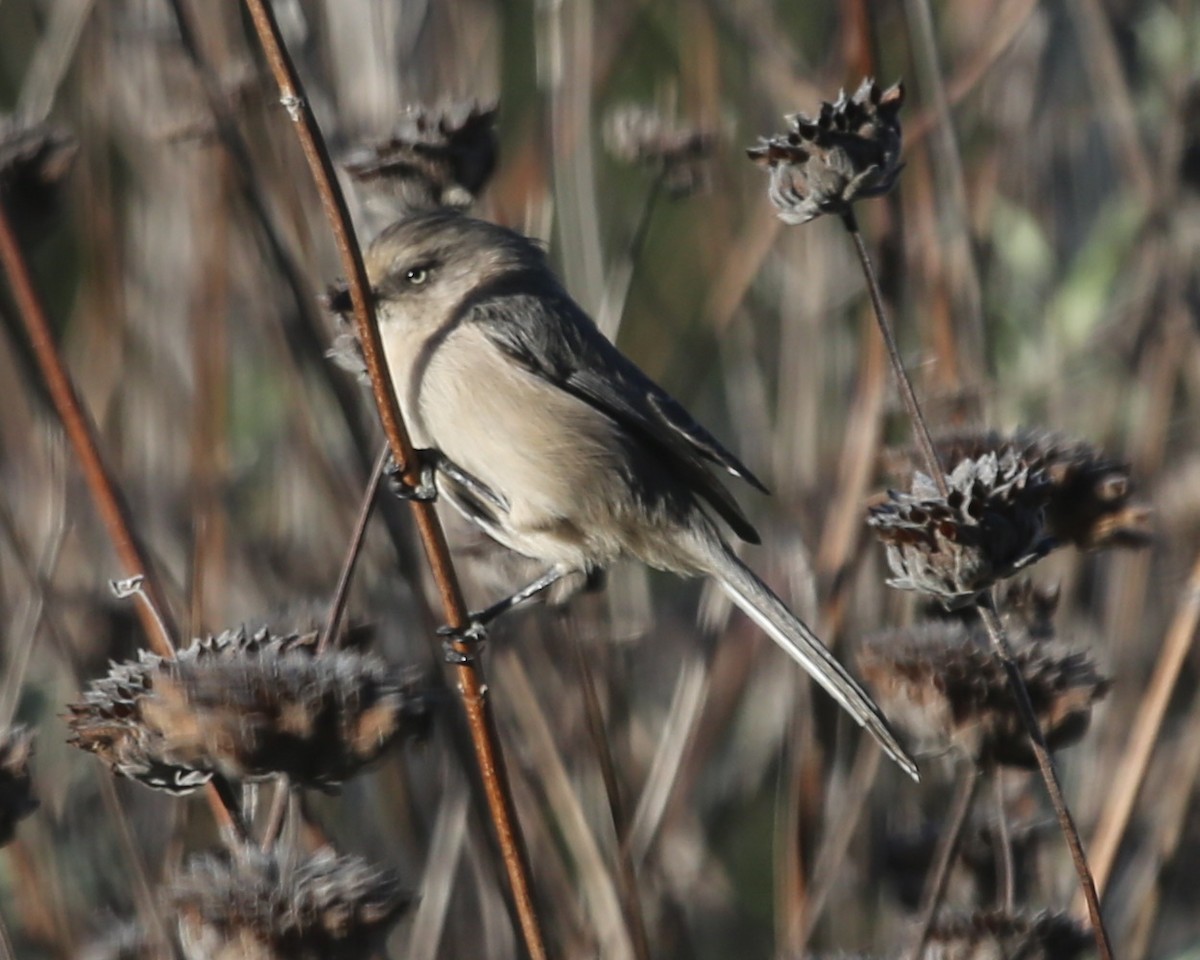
(425, 489)
(470, 636)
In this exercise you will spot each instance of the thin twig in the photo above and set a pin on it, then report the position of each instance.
(277, 815)
(635, 917)
(620, 276)
(961, 275)
(6, 947)
(338, 604)
(835, 841)
(471, 686)
(113, 510)
(1005, 871)
(1131, 772)
(943, 856)
(991, 622)
(110, 504)
(304, 338)
(23, 637)
(933, 466)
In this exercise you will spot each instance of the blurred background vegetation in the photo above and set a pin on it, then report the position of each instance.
(1040, 258)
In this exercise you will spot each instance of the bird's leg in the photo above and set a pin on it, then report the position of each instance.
(469, 482)
(430, 461)
(477, 622)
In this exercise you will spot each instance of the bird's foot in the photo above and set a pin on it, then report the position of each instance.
(471, 636)
(425, 489)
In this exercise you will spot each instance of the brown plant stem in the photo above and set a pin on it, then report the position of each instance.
(943, 857)
(620, 278)
(933, 465)
(635, 917)
(837, 837)
(114, 511)
(1131, 771)
(277, 814)
(995, 630)
(1005, 871)
(6, 947)
(471, 686)
(991, 621)
(961, 274)
(337, 605)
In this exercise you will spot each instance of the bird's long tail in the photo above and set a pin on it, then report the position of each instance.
(759, 603)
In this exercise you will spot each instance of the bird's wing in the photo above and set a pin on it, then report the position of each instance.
(557, 341)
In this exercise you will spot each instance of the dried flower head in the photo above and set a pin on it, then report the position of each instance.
(16, 781)
(992, 934)
(246, 706)
(640, 135)
(34, 159)
(1090, 502)
(944, 685)
(436, 156)
(989, 526)
(849, 151)
(256, 908)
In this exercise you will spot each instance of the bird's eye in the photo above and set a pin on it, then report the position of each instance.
(415, 276)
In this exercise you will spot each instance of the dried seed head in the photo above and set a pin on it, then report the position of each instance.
(436, 157)
(34, 159)
(944, 685)
(987, 935)
(849, 151)
(952, 548)
(255, 908)
(16, 781)
(1090, 494)
(639, 135)
(246, 706)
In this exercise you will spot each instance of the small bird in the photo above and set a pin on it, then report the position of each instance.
(545, 435)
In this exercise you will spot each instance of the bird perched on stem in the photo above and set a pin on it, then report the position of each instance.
(545, 435)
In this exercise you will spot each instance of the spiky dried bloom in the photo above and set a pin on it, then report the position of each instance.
(639, 135)
(256, 908)
(991, 934)
(247, 706)
(990, 525)
(944, 685)
(1090, 502)
(436, 156)
(34, 159)
(16, 780)
(848, 152)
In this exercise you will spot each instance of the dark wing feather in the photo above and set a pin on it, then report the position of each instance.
(557, 341)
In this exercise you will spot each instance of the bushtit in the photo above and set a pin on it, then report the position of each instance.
(553, 441)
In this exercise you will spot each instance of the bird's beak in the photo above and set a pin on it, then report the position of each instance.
(337, 298)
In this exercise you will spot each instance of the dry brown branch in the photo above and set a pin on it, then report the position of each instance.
(110, 504)
(1127, 779)
(471, 686)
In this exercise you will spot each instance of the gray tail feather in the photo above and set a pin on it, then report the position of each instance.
(759, 603)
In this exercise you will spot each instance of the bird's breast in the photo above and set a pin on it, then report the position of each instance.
(551, 456)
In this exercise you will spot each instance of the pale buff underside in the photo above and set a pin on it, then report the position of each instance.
(559, 462)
